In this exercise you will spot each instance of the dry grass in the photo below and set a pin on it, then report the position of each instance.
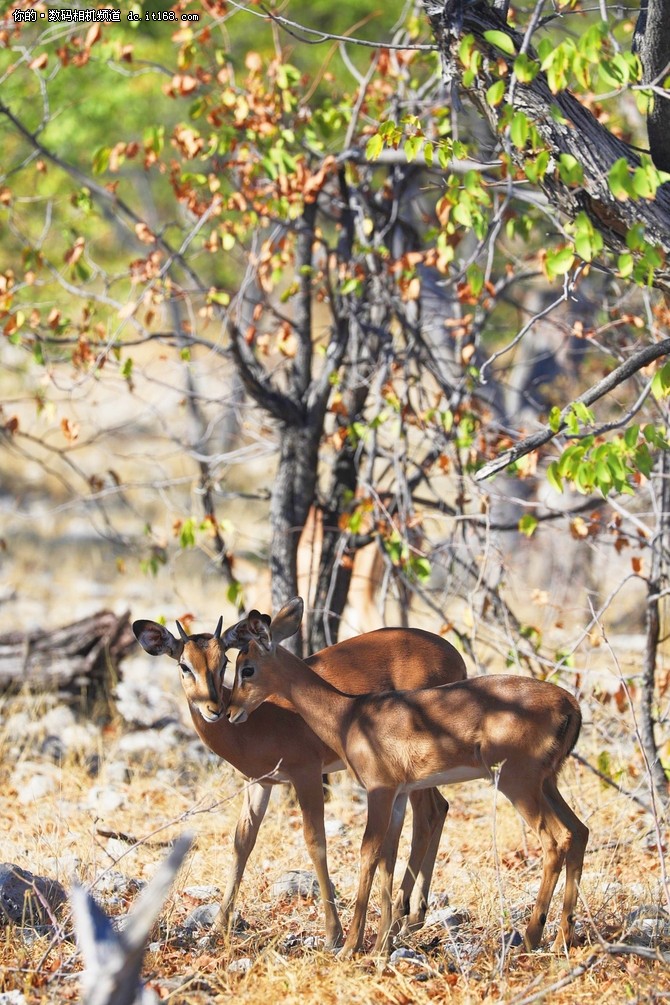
(179, 787)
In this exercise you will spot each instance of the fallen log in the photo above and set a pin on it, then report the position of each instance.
(80, 660)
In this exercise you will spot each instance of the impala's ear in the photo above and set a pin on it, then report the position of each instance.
(259, 629)
(240, 635)
(237, 635)
(286, 622)
(156, 640)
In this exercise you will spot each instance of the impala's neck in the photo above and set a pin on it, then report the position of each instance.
(323, 708)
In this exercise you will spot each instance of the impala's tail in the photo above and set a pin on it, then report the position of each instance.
(567, 734)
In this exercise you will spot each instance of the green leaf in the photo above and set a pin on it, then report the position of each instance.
(187, 533)
(660, 385)
(412, 147)
(625, 264)
(519, 130)
(619, 180)
(570, 170)
(528, 524)
(374, 147)
(501, 40)
(525, 68)
(495, 93)
(631, 435)
(555, 419)
(420, 567)
(554, 477)
(101, 160)
(475, 278)
(559, 262)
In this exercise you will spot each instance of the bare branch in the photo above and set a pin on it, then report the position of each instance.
(639, 359)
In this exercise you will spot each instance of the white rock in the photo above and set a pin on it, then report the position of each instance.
(295, 883)
(448, 917)
(57, 720)
(202, 892)
(35, 788)
(202, 916)
(408, 956)
(240, 966)
(105, 798)
(12, 998)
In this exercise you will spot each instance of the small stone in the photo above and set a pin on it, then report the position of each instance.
(202, 916)
(35, 788)
(113, 883)
(513, 939)
(12, 998)
(409, 956)
(57, 720)
(241, 966)
(202, 892)
(335, 828)
(647, 912)
(105, 798)
(295, 883)
(448, 917)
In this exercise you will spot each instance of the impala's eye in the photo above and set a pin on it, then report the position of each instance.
(247, 672)
(186, 671)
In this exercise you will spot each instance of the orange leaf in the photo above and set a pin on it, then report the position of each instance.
(70, 430)
(144, 233)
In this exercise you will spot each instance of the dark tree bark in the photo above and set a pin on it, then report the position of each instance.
(299, 413)
(575, 131)
(652, 43)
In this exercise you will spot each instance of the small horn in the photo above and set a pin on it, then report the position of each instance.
(217, 633)
(182, 633)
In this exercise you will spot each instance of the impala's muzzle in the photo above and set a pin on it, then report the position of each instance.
(210, 714)
(236, 715)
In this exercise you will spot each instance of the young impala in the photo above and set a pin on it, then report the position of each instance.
(402, 741)
(377, 661)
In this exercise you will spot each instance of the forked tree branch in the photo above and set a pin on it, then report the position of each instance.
(641, 358)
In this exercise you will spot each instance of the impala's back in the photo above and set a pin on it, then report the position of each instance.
(389, 659)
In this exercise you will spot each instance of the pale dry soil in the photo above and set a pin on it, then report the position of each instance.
(152, 785)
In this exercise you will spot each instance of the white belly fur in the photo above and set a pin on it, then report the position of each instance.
(450, 777)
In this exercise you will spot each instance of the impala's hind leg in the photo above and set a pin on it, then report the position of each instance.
(574, 860)
(554, 837)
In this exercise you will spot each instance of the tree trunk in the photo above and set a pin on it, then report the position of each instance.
(652, 43)
(292, 495)
(656, 583)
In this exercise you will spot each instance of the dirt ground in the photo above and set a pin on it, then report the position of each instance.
(147, 786)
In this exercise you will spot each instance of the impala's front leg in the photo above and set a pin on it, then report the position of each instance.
(429, 812)
(380, 805)
(255, 803)
(387, 862)
(309, 790)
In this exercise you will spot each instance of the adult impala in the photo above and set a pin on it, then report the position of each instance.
(402, 741)
(379, 660)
